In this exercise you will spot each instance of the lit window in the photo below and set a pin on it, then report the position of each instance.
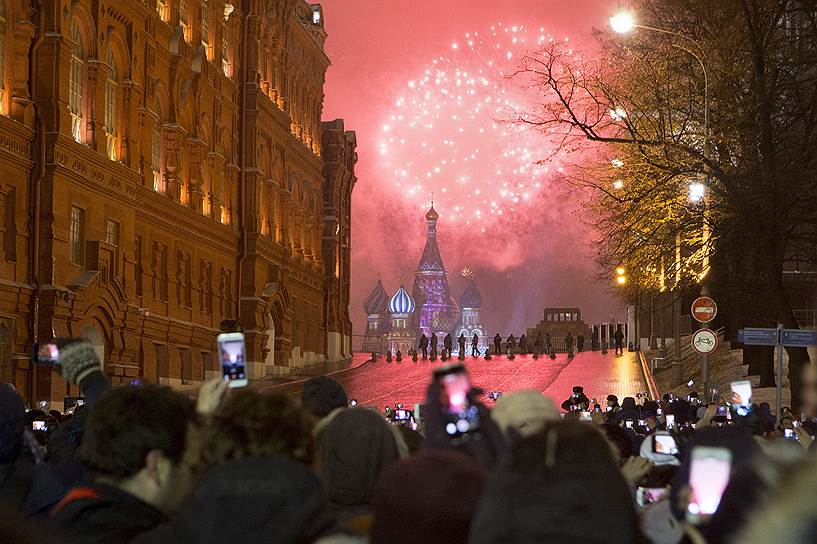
(112, 233)
(225, 52)
(111, 112)
(162, 9)
(76, 236)
(156, 158)
(75, 85)
(2, 55)
(205, 23)
(316, 15)
(183, 20)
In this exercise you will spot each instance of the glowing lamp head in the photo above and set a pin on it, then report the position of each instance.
(622, 22)
(617, 163)
(697, 192)
(620, 270)
(621, 280)
(618, 185)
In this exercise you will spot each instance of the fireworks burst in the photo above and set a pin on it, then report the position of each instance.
(451, 131)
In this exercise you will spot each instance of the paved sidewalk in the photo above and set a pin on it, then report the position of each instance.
(600, 375)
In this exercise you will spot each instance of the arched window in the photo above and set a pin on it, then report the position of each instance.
(184, 20)
(111, 106)
(75, 83)
(156, 155)
(205, 28)
(225, 51)
(162, 9)
(2, 56)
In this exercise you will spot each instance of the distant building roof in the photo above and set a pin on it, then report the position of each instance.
(378, 300)
(471, 297)
(401, 302)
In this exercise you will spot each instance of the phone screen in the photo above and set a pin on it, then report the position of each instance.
(47, 354)
(231, 352)
(670, 421)
(664, 443)
(649, 495)
(455, 386)
(708, 478)
(402, 415)
(38, 426)
(585, 416)
(742, 396)
(629, 423)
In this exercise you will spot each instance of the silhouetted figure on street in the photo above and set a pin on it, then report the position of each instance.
(523, 344)
(424, 345)
(580, 343)
(461, 342)
(448, 344)
(510, 344)
(475, 345)
(618, 336)
(537, 344)
(569, 341)
(434, 343)
(497, 344)
(594, 340)
(549, 342)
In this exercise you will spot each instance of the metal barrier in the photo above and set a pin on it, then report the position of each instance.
(648, 377)
(368, 344)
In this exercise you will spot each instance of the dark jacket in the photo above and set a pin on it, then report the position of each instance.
(100, 513)
(576, 401)
(250, 501)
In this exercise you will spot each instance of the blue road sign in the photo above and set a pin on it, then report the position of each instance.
(758, 337)
(799, 338)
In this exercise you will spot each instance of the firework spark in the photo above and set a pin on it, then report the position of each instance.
(451, 132)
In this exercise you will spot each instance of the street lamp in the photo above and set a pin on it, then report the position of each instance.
(618, 185)
(697, 192)
(622, 22)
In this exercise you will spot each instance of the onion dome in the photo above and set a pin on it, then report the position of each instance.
(401, 302)
(378, 301)
(471, 297)
(432, 214)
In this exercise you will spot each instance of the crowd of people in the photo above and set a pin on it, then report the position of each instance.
(145, 464)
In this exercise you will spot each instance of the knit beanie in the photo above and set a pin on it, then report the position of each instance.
(526, 411)
(322, 395)
(77, 360)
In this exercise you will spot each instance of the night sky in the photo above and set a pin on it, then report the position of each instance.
(423, 84)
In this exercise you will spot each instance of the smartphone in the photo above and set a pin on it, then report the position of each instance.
(795, 423)
(670, 421)
(628, 423)
(585, 416)
(790, 434)
(708, 477)
(721, 414)
(742, 396)
(402, 415)
(649, 495)
(665, 444)
(45, 354)
(642, 422)
(461, 416)
(231, 355)
(660, 412)
(39, 426)
(609, 409)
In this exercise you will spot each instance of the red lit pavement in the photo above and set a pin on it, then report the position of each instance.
(380, 383)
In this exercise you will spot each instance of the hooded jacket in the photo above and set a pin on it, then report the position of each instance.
(353, 449)
(250, 501)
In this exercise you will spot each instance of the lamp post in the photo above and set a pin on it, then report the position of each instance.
(623, 23)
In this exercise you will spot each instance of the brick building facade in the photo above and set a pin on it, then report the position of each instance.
(163, 168)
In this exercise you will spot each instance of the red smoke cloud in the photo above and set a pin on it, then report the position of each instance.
(536, 253)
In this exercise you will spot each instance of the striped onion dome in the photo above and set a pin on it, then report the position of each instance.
(378, 301)
(401, 302)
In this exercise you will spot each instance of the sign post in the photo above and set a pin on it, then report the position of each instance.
(779, 338)
(703, 311)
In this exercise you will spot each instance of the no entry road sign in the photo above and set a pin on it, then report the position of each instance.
(704, 341)
(704, 309)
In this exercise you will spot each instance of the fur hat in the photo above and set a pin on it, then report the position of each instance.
(526, 411)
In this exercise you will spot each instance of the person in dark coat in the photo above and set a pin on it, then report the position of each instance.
(352, 451)
(475, 345)
(461, 342)
(559, 485)
(548, 342)
(580, 343)
(569, 344)
(523, 344)
(323, 395)
(434, 343)
(497, 344)
(629, 412)
(538, 344)
(510, 344)
(448, 344)
(577, 402)
(618, 337)
(439, 490)
(135, 443)
(424, 345)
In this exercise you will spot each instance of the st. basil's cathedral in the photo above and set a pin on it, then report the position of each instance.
(396, 323)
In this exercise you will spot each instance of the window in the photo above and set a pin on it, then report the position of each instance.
(137, 256)
(205, 26)
(2, 55)
(111, 113)
(225, 51)
(10, 225)
(156, 157)
(76, 236)
(162, 9)
(112, 233)
(164, 275)
(184, 20)
(75, 83)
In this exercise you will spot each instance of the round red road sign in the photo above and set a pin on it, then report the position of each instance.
(704, 341)
(704, 309)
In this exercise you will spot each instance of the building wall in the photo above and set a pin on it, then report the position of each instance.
(161, 171)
